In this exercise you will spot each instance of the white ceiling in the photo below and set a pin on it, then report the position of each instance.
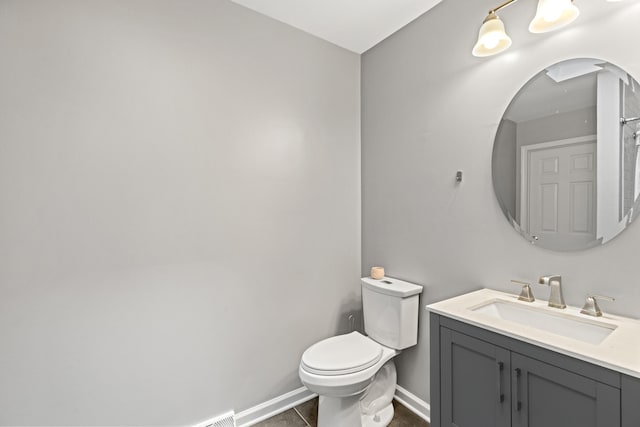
(356, 25)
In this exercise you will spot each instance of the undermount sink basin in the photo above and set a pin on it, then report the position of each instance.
(564, 324)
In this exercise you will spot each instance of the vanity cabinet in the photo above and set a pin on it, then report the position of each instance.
(484, 379)
(475, 382)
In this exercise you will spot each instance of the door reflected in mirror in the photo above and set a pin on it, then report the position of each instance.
(566, 164)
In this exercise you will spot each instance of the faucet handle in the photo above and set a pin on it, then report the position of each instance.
(591, 307)
(525, 294)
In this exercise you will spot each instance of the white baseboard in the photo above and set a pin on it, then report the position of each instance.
(273, 407)
(413, 403)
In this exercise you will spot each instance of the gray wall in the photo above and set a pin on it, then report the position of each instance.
(572, 124)
(180, 208)
(430, 108)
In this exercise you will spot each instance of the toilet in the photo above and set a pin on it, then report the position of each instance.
(354, 374)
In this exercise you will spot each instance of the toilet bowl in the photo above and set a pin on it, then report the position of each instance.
(355, 378)
(353, 374)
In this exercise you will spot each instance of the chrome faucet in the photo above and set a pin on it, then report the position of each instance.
(556, 300)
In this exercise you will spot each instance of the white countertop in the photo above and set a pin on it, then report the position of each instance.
(620, 351)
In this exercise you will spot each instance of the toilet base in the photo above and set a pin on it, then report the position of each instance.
(369, 408)
(339, 411)
(345, 412)
(381, 419)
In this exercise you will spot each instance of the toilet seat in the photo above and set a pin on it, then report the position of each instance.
(342, 354)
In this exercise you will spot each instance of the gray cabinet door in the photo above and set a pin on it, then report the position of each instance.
(474, 381)
(547, 396)
(630, 402)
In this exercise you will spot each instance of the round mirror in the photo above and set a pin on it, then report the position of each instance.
(566, 164)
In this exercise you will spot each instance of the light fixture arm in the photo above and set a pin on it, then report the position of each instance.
(502, 6)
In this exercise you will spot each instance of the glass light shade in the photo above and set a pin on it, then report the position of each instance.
(492, 37)
(553, 14)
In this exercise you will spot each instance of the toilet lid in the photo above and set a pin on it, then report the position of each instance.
(343, 354)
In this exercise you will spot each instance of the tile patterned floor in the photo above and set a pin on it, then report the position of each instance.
(306, 415)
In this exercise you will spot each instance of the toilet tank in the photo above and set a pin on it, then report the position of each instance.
(390, 308)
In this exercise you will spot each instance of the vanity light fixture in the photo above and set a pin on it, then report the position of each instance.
(492, 37)
(553, 14)
(550, 15)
